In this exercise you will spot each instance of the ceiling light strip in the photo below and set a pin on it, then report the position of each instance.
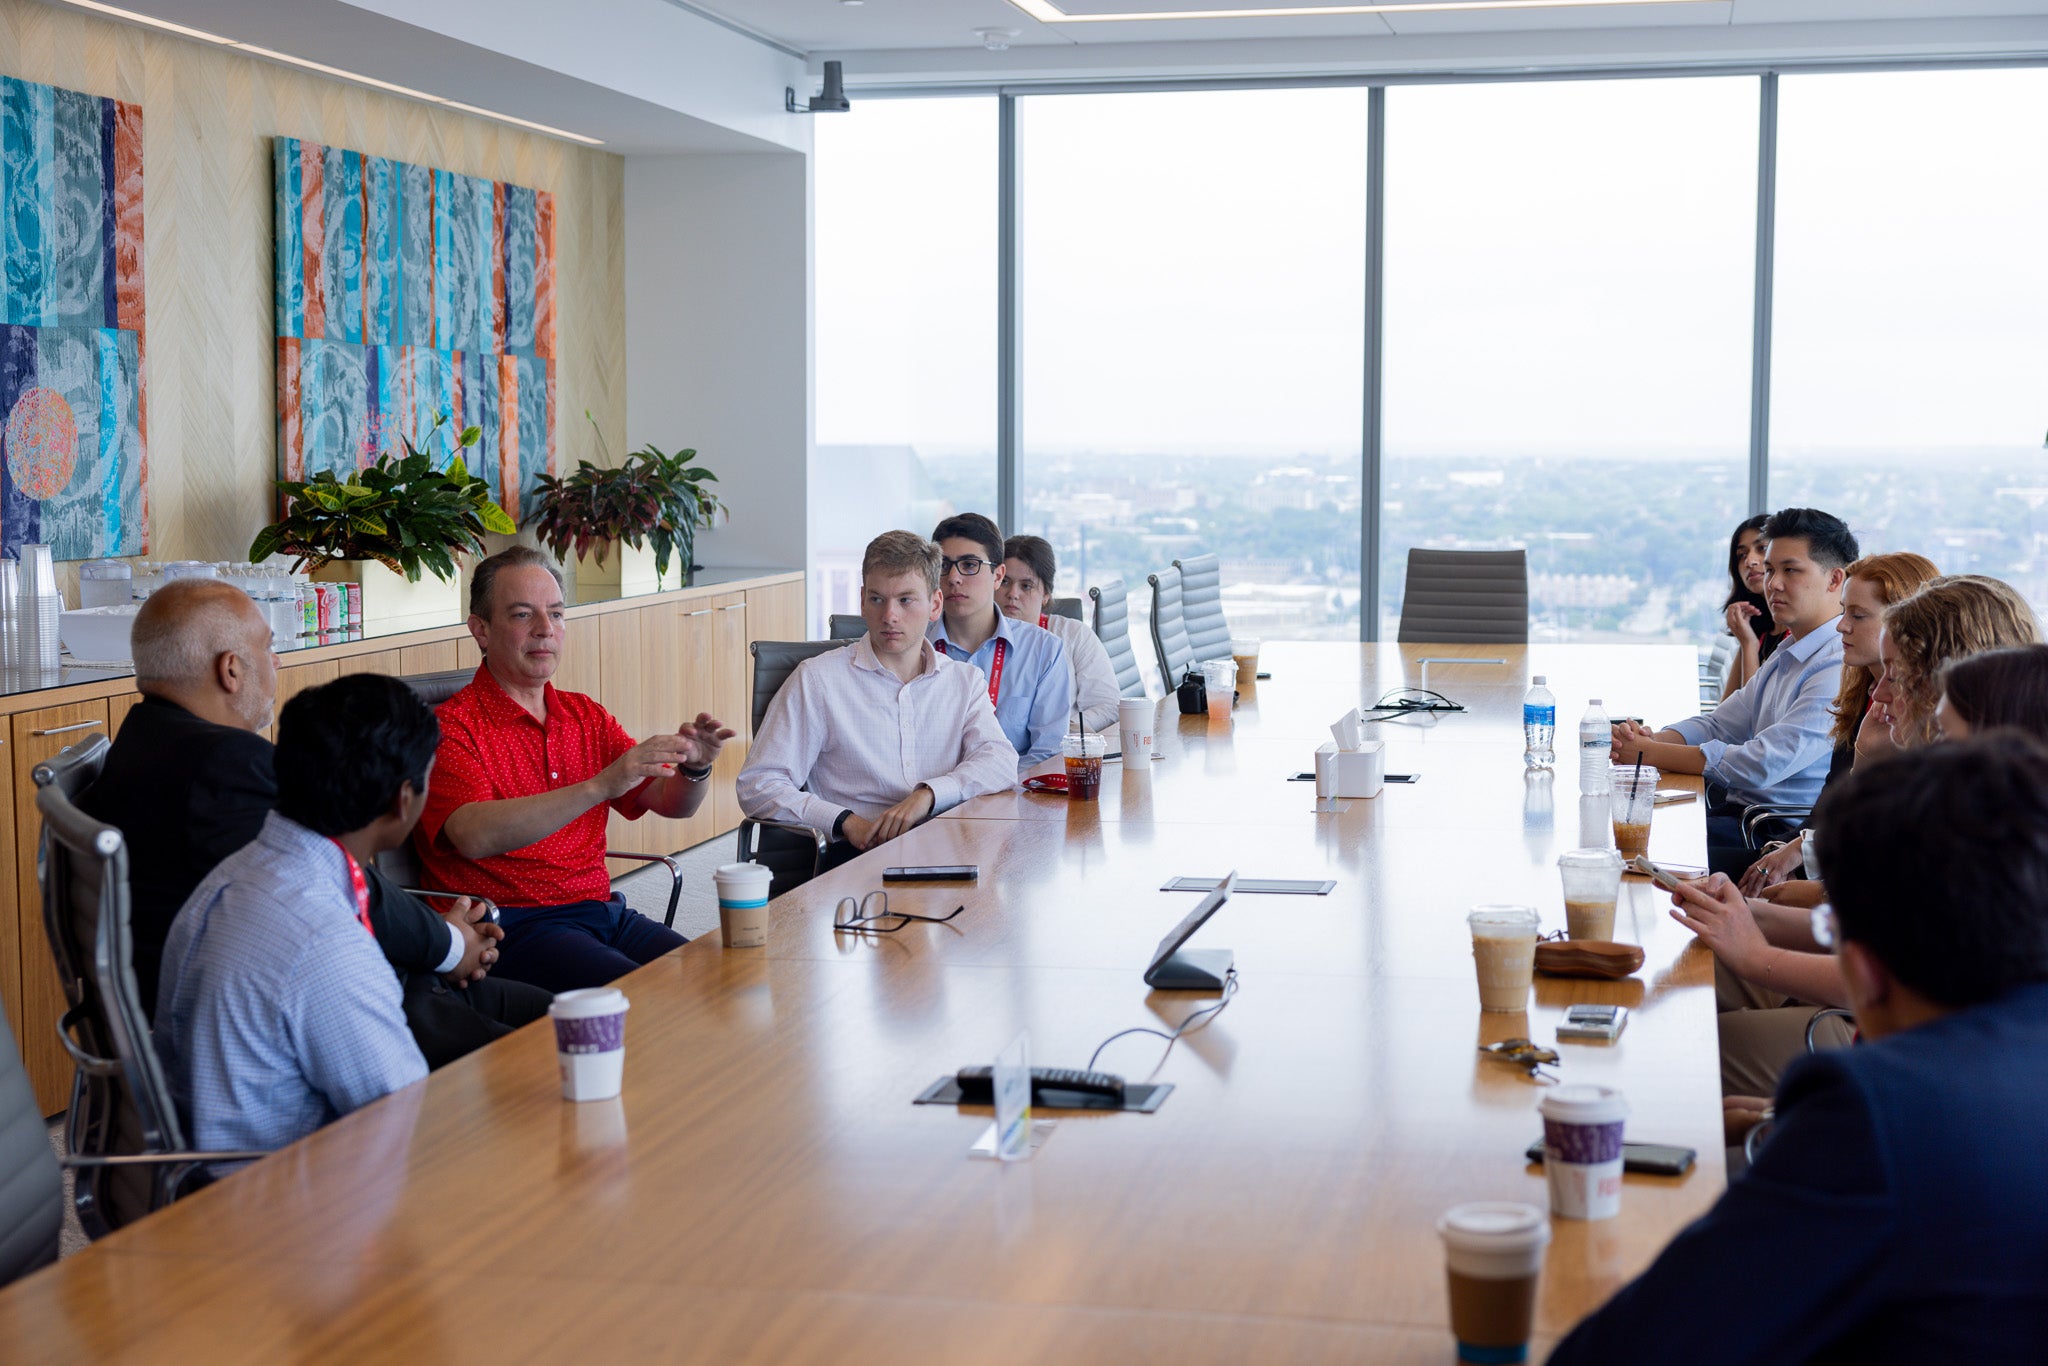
(338, 73)
(1046, 12)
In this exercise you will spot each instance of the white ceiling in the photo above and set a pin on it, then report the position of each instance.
(835, 28)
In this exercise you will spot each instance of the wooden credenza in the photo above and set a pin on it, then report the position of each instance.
(653, 659)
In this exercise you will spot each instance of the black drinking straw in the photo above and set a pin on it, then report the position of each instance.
(1639, 771)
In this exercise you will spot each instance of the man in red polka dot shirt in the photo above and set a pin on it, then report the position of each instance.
(525, 778)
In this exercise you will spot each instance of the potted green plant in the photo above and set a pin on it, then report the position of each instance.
(624, 524)
(393, 527)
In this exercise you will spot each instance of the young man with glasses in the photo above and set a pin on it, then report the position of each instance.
(1025, 665)
(1897, 1203)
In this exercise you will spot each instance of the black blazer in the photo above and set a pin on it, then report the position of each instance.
(185, 793)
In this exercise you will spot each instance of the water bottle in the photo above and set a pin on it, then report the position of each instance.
(1539, 723)
(1595, 739)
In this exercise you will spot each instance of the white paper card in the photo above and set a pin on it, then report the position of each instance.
(1013, 1100)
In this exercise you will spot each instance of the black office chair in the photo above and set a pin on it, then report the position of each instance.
(124, 1134)
(1064, 607)
(1756, 819)
(1466, 597)
(32, 1193)
(843, 626)
(791, 853)
(402, 865)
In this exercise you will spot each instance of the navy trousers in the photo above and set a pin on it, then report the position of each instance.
(583, 944)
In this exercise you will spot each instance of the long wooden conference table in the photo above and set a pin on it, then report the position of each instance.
(765, 1189)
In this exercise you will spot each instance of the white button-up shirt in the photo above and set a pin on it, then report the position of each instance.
(861, 739)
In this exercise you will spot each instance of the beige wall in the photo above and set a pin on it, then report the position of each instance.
(208, 116)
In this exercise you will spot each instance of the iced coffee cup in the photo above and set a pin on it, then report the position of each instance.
(1592, 882)
(1582, 1158)
(1493, 1257)
(1504, 952)
(1084, 752)
(1219, 676)
(1244, 652)
(1630, 801)
(590, 1041)
(742, 904)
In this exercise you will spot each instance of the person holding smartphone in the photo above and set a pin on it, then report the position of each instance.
(1898, 1196)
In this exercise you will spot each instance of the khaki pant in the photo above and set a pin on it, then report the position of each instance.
(1762, 1032)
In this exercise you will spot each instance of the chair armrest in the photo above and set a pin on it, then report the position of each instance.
(1832, 1012)
(819, 840)
(675, 874)
(87, 1062)
(155, 1159)
(1754, 816)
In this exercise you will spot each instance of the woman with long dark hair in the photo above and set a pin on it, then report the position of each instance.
(1747, 615)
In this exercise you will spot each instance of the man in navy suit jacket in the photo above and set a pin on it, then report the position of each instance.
(1899, 1212)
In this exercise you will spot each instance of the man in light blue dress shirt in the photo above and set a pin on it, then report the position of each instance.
(1768, 742)
(1025, 665)
(276, 1010)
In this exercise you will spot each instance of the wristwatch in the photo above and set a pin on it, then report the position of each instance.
(695, 775)
(839, 826)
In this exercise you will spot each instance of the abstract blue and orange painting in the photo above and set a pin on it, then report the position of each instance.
(404, 293)
(73, 472)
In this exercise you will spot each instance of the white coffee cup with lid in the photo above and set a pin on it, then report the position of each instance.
(1582, 1158)
(590, 1041)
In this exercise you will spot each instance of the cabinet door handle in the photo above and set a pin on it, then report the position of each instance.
(700, 612)
(59, 730)
(734, 607)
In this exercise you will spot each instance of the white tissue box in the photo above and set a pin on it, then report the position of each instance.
(1349, 773)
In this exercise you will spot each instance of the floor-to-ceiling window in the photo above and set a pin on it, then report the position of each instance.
(906, 327)
(1569, 271)
(1192, 294)
(1910, 361)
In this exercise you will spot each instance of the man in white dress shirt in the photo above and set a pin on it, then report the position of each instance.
(866, 742)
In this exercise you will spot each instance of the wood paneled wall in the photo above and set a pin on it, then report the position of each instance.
(208, 117)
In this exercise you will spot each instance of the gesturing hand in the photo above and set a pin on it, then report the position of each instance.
(702, 739)
(655, 757)
(1714, 909)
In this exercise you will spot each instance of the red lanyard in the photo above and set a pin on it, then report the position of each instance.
(1041, 622)
(355, 877)
(995, 675)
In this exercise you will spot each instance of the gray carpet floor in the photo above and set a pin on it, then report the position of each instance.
(646, 891)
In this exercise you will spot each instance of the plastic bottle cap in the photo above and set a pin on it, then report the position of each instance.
(1592, 701)
(1537, 681)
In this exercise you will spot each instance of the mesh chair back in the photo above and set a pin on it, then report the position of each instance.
(1170, 643)
(32, 1191)
(1466, 597)
(845, 627)
(1201, 606)
(1064, 607)
(120, 1099)
(774, 662)
(1113, 629)
(436, 688)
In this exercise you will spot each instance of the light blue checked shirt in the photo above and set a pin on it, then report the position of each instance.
(1036, 690)
(276, 1011)
(1768, 742)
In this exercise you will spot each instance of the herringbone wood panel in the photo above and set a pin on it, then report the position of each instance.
(208, 118)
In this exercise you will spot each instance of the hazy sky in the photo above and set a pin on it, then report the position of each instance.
(1569, 264)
